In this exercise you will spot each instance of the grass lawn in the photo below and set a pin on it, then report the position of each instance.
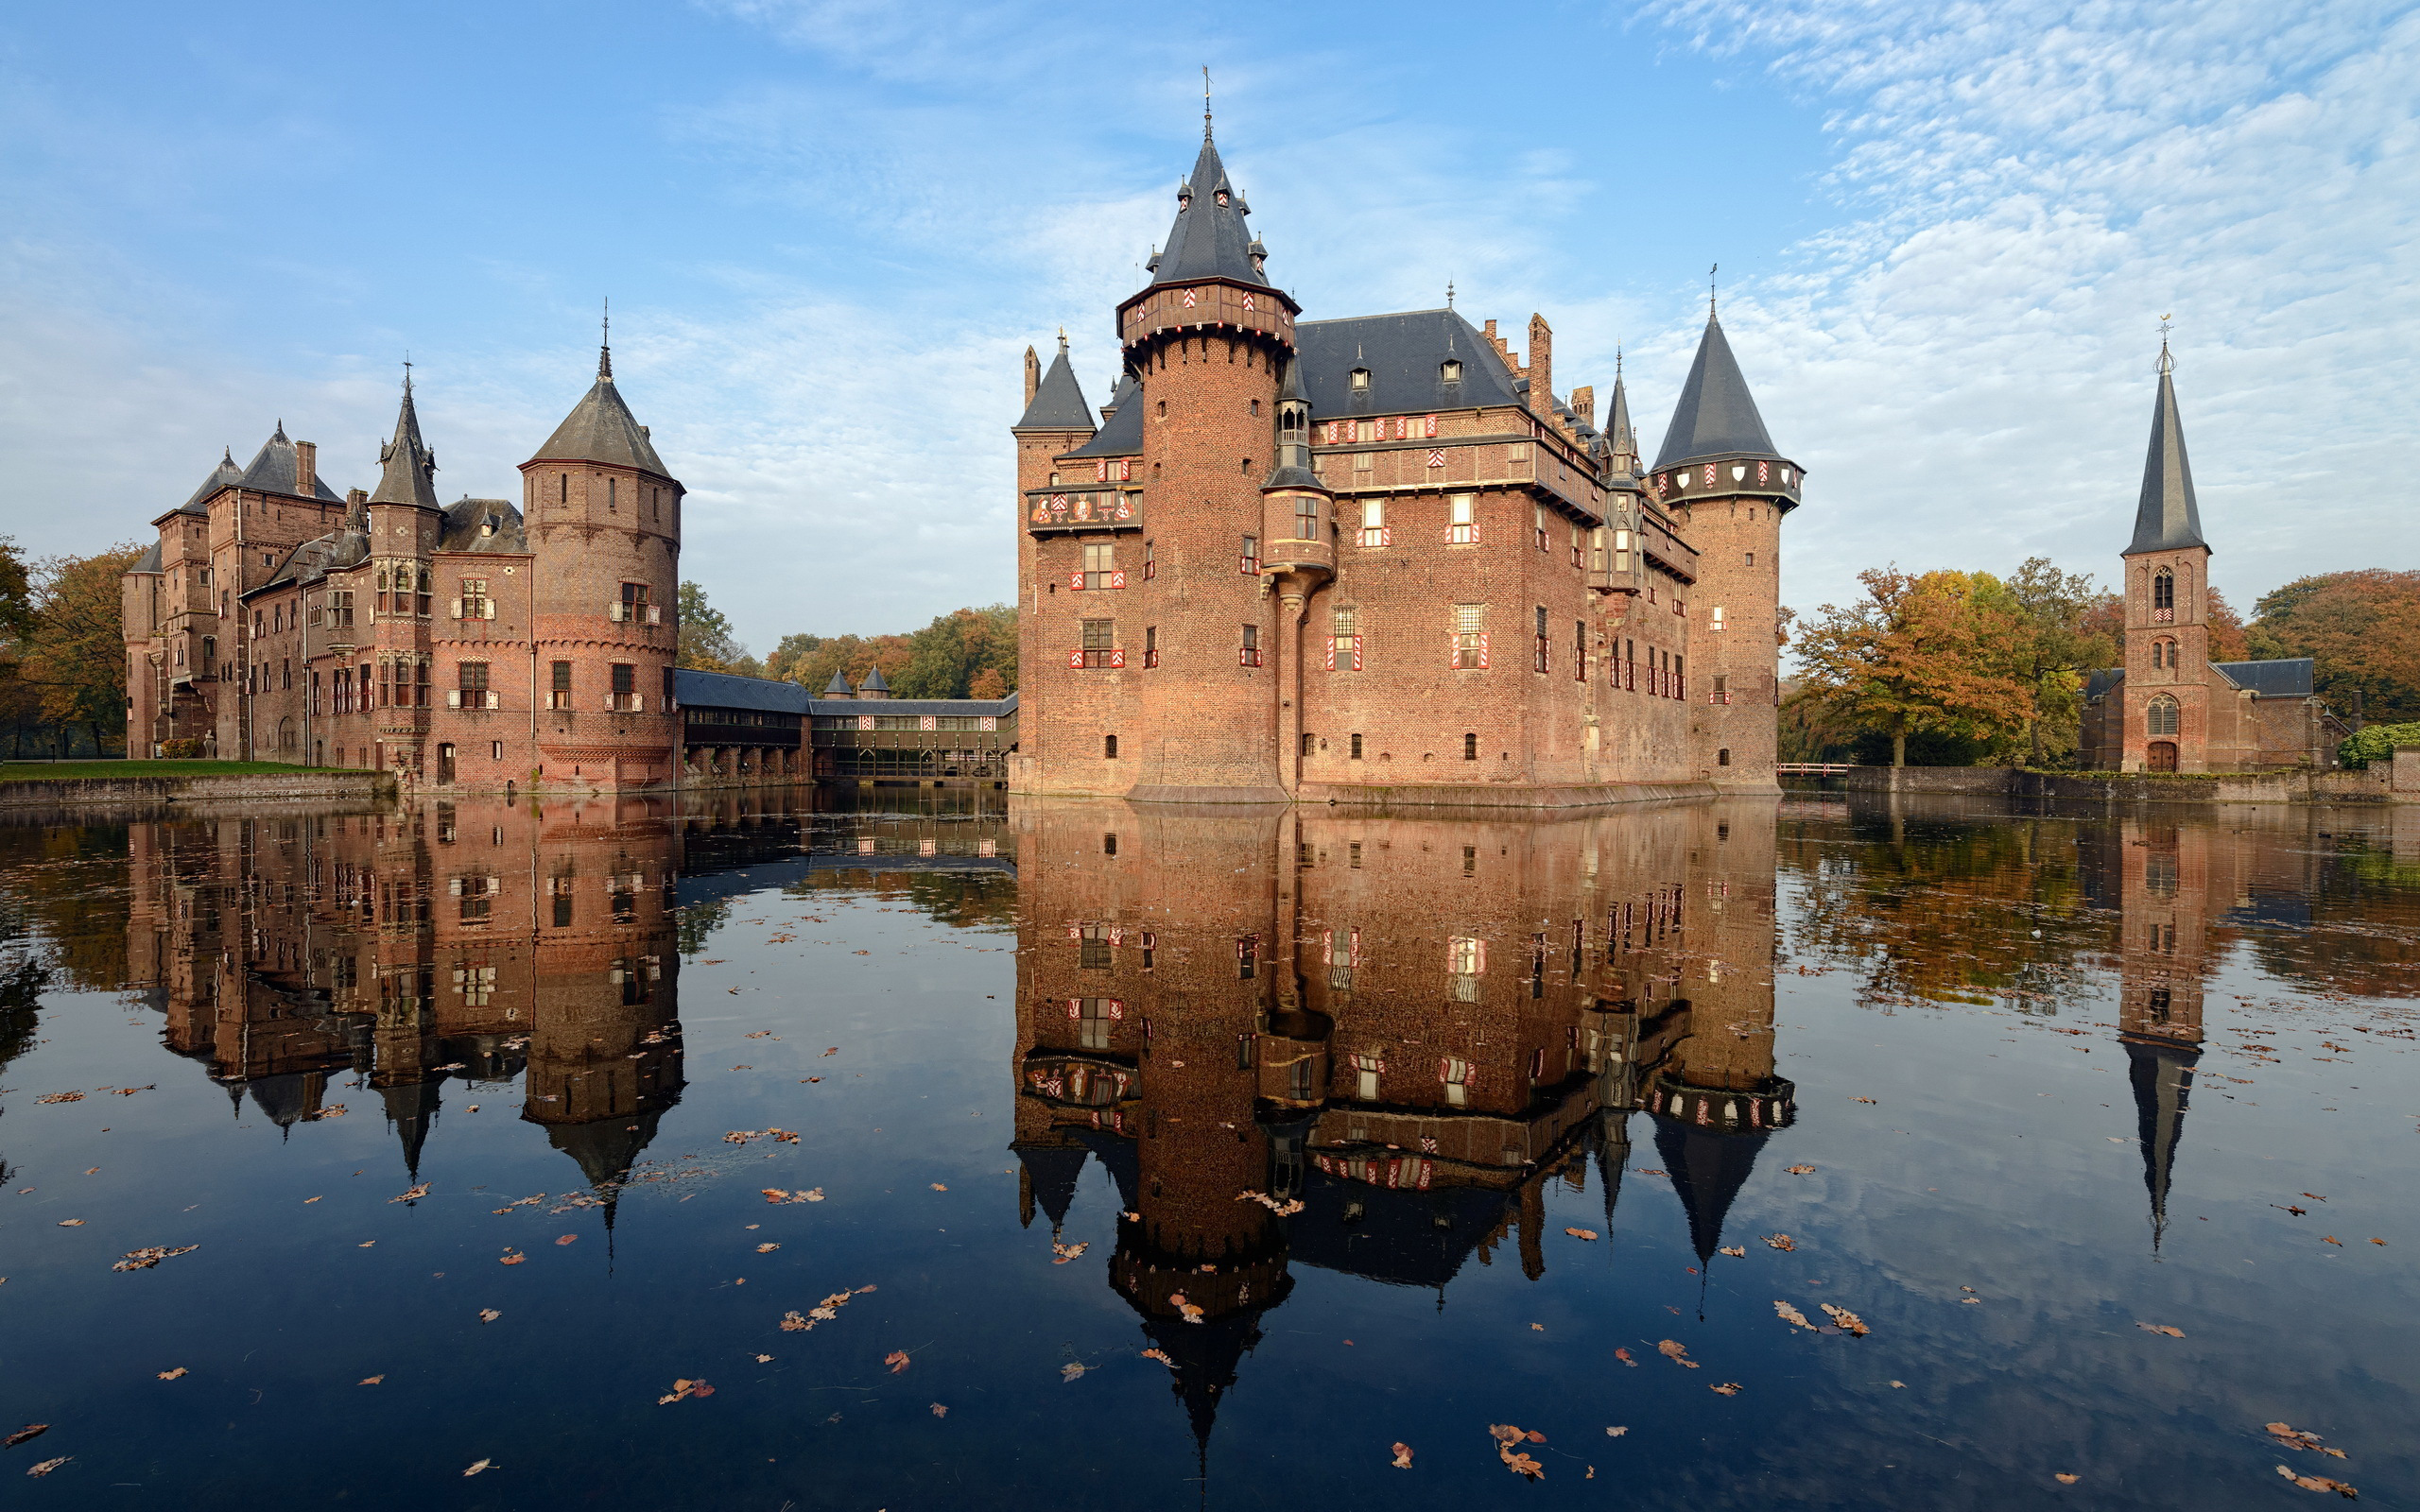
(68, 771)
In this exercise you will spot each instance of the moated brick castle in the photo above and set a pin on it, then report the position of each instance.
(1316, 560)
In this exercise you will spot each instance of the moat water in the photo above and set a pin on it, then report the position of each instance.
(1806, 1153)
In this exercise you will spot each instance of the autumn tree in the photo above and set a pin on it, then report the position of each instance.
(2362, 630)
(1937, 652)
(707, 642)
(74, 650)
(2064, 614)
(968, 653)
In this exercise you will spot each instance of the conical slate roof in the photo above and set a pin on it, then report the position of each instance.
(1059, 403)
(1051, 1172)
(2161, 1076)
(1618, 429)
(1209, 238)
(1716, 416)
(226, 474)
(839, 687)
(600, 428)
(1707, 1170)
(412, 1112)
(410, 466)
(2167, 518)
(873, 682)
(273, 468)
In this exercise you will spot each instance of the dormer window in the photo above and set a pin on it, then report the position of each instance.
(1361, 380)
(1449, 372)
(487, 526)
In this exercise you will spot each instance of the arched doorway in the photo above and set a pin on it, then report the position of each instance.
(2160, 756)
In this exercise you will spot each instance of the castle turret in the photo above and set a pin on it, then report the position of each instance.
(1728, 489)
(603, 518)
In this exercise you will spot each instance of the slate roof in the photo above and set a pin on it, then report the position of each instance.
(1121, 432)
(1716, 416)
(1406, 355)
(876, 682)
(225, 474)
(1059, 403)
(839, 687)
(149, 561)
(465, 516)
(346, 546)
(2105, 680)
(1209, 238)
(600, 428)
(410, 468)
(273, 468)
(2289, 677)
(2167, 517)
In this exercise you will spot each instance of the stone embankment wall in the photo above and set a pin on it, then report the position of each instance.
(2383, 783)
(133, 797)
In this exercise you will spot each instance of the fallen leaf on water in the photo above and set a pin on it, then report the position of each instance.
(1506, 1436)
(1131, 1217)
(1623, 1355)
(940, 1411)
(1674, 1350)
(685, 1388)
(1192, 1314)
(1727, 1388)
(365, 1243)
(897, 1360)
(71, 1223)
(1898, 1385)
(1403, 1455)
(2161, 1327)
(2308, 1483)
(833, 1050)
(477, 1466)
(2377, 1241)
(1074, 1368)
(511, 1257)
(1061, 1254)
(1537, 1328)
(1972, 1301)
(938, 1187)
(566, 1239)
(1616, 1433)
(307, 1201)
(1781, 1241)
(1160, 1356)
(1582, 1233)
(767, 1248)
(92, 1170)
(1790, 1314)
(1644, 1172)
(372, 1380)
(2300, 1438)
(1800, 1170)
(489, 1315)
(60, 1097)
(145, 1258)
(47, 1466)
(1735, 1251)
(1848, 1322)
(419, 1190)
(29, 1431)
(2331, 1238)
(1860, 1099)
(177, 1374)
(2315, 1197)
(2065, 1479)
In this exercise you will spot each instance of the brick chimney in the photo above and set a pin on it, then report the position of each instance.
(306, 468)
(1541, 365)
(1584, 402)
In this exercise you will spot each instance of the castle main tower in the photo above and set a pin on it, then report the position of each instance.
(603, 517)
(1728, 488)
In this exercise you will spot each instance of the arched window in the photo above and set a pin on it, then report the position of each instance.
(2163, 596)
(2160, 716)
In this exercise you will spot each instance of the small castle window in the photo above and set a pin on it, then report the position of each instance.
(1449, 372)
(1361, 380)
(1255, 406)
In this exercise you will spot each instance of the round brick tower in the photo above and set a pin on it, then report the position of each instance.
(1208, 339)
(603, 517)
(1721, 479)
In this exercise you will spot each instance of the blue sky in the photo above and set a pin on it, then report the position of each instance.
(830, 229)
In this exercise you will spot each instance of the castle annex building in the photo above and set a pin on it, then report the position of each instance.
(474, 642)
(2170, 708)
(1320, 558)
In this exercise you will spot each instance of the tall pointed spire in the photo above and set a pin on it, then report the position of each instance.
(1618, 429)
(409, 475)
(2167, 516)
(1716, 416)
(1210, 237)
(2162, 1078)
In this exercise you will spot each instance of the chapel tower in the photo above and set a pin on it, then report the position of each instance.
(2168, 574)
(1728, 488)
(603, 517)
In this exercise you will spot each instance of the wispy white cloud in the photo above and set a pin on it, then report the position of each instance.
(2029, 187)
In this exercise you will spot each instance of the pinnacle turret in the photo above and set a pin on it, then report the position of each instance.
(410, 468)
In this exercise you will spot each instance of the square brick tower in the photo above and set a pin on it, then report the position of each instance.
(2168, 700)
(1728, 489)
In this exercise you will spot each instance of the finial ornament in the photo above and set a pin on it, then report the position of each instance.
(605, 345)
(2166, 362)
(1449, 294)
(1709, 289)
(408, 379)
(1206, 102)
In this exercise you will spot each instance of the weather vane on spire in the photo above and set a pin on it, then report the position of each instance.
(1206, 102)
(605, 344)
(1449, 294)
(2166, 362)
(1709, 289)
(407, 377)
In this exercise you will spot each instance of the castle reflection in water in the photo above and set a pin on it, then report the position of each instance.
(1290, 1038)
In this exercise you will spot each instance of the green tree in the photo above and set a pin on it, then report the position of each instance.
(945, 656)
(2063, 641)
(2362, 630)
(707, 642)
(75, 650)
(1939, 652)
